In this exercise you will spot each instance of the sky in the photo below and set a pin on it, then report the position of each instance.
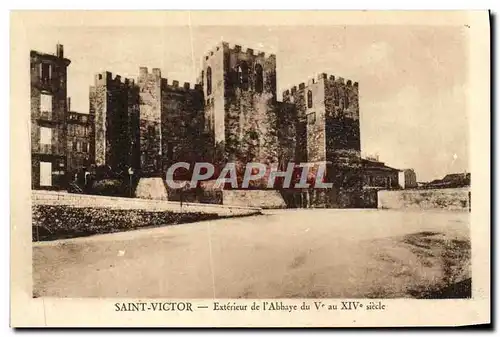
(412, 79)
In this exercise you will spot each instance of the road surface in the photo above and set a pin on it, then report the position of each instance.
(281, 254)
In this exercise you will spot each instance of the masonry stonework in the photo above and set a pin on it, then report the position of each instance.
(240, 98)
(114, 102)
(231, 114)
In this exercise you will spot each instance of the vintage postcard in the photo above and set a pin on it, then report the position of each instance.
(250, 169)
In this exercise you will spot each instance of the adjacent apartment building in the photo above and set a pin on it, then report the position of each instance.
(48, 118)
(80, 140)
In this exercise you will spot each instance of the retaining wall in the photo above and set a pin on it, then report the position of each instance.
(253, 198)
(446, 198)
(84, 200)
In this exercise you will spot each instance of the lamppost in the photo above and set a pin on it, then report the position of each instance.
(130, 174)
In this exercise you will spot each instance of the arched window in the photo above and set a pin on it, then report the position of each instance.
(309, 99)
(259, 78)
(243, 75)
(209, 81)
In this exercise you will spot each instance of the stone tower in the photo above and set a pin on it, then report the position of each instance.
(114, 103)
(328, 134)
(328, 108)
(240, 99)
(150, 92)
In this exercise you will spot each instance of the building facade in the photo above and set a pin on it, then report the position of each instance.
(380, 176)
(80, 140)
(408, 178)
(48, 118)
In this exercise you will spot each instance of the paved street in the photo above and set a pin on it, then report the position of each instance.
(285, 253)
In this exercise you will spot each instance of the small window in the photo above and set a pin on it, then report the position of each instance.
(45, 71)
(75, 146)
(259, 78)
(209, 81)
(85, 147)
(45, 173)
(243, 75)
(45, 136)
(309, 99)
(311, 118)
(45, 103)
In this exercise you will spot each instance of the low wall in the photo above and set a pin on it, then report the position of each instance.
(151, 188)
(253, 198)
(446, 198)
(84, 200)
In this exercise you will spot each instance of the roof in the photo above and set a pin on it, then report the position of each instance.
(377, 165)
(52, 57)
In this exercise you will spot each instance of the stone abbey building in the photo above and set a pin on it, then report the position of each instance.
(231, 114)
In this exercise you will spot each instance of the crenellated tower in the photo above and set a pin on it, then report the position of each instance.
(239, 88)
(114, 102)
(328, 118)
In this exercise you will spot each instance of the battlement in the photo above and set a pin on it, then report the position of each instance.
(155, 72)
(316, 79)
(177, 87)
(322, 76)
(339, 80)
(215, 49)
(107, 78)
(236, 48)
(311, 81)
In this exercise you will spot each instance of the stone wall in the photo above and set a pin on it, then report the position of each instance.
(447, 199)
(253, 198)
(342, 116)
(83, 200)
(150, 92)
(114, 102)
(182, 121)
(250, 109)
(287, 133)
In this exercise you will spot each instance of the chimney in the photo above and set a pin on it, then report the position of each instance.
(60, 50)
(69, 104)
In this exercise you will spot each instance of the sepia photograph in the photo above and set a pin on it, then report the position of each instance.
(236, 162)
